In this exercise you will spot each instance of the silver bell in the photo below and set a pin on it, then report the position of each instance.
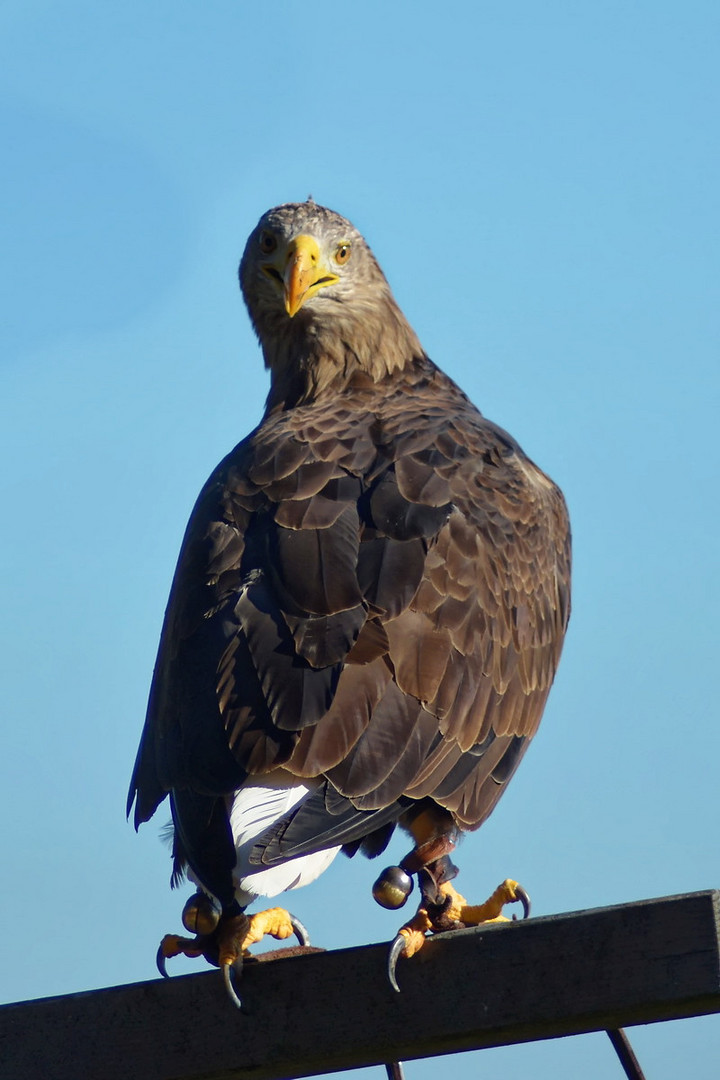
(201, 914)
(392, 888)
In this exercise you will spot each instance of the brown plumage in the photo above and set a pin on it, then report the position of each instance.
(372, 591)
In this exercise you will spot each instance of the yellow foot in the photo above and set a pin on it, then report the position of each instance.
(458, 909)
(277, 922)
(174, 945)
(231, 938)
(222, 945)
(452, 913)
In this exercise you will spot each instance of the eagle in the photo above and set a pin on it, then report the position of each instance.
(366, 617)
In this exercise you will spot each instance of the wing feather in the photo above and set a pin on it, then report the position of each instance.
(373, 591)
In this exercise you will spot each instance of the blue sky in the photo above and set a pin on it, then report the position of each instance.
(539, 182)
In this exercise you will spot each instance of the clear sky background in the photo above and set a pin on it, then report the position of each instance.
(540, 183)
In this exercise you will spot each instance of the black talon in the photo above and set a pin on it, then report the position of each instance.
(300, 932)
(160, 959)
(524, 899)
(228, 973)
(393, 956)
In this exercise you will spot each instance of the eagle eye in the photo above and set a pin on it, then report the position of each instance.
(342, 254)
(268, 243)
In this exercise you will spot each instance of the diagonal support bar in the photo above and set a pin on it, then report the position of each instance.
(562, 975)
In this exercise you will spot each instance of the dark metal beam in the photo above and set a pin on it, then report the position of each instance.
(586, 971)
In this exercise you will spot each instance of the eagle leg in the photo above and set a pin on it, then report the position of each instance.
(443, 908)
(224, 944)
(229, 941)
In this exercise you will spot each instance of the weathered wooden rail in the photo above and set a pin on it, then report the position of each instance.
(308, 1014)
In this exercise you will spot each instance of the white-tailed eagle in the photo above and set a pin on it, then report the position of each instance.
(367, 613)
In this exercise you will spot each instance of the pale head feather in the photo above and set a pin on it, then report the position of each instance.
(352, 325)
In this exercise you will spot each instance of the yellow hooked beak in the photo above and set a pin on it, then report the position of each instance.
(305, 273)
